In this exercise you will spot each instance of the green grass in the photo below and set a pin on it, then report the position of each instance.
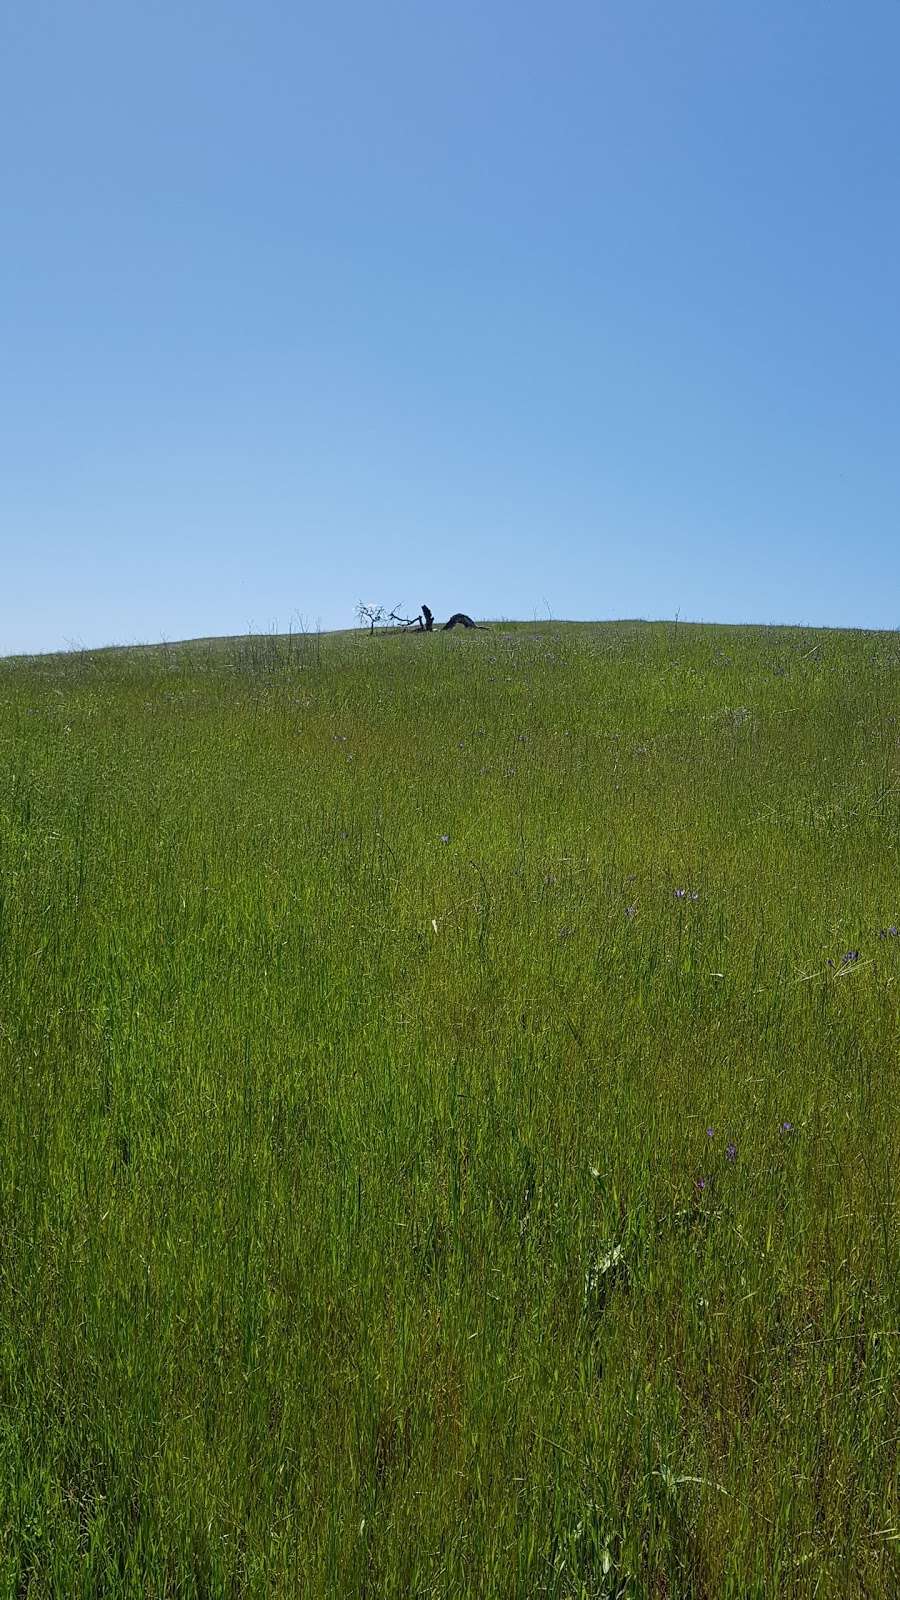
(357, 1059)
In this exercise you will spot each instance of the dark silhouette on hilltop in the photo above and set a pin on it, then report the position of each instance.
(460, 618)
(372, 617)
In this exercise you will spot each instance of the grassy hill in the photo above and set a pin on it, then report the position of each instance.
(449, 1116)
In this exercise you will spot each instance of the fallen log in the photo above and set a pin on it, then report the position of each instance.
(459, 619)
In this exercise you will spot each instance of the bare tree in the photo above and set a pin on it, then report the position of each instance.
(369, 617)
(404, 622)
(372, 617)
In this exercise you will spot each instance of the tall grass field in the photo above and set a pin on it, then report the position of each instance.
(450, 1130)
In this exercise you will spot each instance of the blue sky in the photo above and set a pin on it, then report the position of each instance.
(589, 309)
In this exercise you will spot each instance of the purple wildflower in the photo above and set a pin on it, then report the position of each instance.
(700, 1183)
(731, 1151)
(848, 958)
(710, 1133)
(687, 894)
(786, 1127)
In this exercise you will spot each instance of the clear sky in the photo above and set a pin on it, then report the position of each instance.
(588, 308)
